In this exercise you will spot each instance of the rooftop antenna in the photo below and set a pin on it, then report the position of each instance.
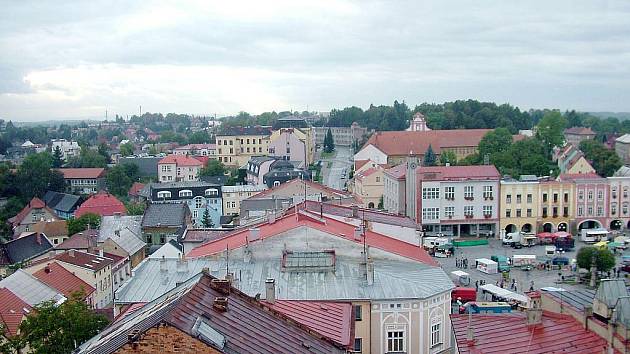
(227, 260)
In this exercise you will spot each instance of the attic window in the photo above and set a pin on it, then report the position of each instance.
(205, 332)
(308, 261)
(185, 193)
(211, 192)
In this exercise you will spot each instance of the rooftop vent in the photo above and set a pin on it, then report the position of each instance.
(308, 261)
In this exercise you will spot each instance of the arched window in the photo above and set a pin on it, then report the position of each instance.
(185, 193)
(211, 192)
(164, 194)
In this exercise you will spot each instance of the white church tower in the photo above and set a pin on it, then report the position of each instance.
(418, 123)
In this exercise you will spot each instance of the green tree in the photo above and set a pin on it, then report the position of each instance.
(449, 157)
(57, 155)
(126, 149)
(606, 162)
(60, 329)
(82, 223)
(36, 177)
(88, 158)
(118, 183)
(604, 259)
(329, 142)
(206, 221)
(429, 157)
(494, 142)
(550, 130)
(135, 208)
(213, 168)
(200, 137)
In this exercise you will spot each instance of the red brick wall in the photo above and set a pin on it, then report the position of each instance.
(167, 339)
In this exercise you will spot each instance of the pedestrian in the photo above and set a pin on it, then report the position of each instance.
(531, 286)
(497, 283)
(477, 285)
(515, 286)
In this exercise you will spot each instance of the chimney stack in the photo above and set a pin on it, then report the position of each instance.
(270, 290)
(163, 264)
(71, 253)
(117, 233)
(100, 253)
(38, 237)
(220, 304)
(220, 285)
(355, 211)
(534, 310)
(370, 271)
(47, 269)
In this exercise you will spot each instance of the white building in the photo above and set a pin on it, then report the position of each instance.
(178, 168)
(68, 148)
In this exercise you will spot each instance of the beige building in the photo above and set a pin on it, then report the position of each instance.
(519, 204)
(368, 185)
(233, 195)
(556, 206)
(571, 160)
(293, 144)
(394, 189)
(235, 146)
(34, 212)
(178, 168)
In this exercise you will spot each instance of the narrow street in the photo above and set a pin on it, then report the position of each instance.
(339, 167)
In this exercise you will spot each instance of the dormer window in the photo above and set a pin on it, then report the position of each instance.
(185, 193)
(164, 194)
(211, 192)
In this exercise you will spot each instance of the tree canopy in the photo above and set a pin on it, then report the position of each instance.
(121, 177)
(329, 142)
(604, 259)
(429, 157)
(213, 168)
(550, 130)
(605, 161)
(82, 223)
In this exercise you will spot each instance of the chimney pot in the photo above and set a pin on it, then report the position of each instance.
(220, 285)
(47, 269)
(220, 304)
(270, 290)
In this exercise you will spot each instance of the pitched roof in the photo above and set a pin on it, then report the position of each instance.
(404, 142)
(579, 131)
(166, 214)
(101, 204)
(180, 160)
(328, 225)
(26, 247)
(508, 333)
(81, 240)
(329, 318)
(135, 189)
(84, 260)
(62, 280)
(203, 235)
(55, 228)
(363, 213)
(456, 173)
(624, 139)
(62, 201)
(574, 177)
(125, 231)
(35, 203)
(311, 188)
(255, 130)
(12, 310)
(30, 289)
(171, 249)
(76, 173)
(247, 326)
(370, 171)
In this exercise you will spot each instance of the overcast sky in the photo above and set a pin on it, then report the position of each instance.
(64, 59)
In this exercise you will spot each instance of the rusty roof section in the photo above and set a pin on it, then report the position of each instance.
(417, 142)
(12, 310)
(75, 173)
(62, 280)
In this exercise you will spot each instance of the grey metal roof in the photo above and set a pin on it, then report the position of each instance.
(622, 311)
(61, 201)
(623, 171)
(29, 289)
(610, 290)
(183, 184)
(575, 298)
(27, 247)
(164, 214)
(129, 235)
(168, 250)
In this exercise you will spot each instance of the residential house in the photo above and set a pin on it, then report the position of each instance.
(13, 311)
(591, 200)
(23, 250)
(65, 282)
(556, 210)
(519, 204)
(30, 290)
(205, 314)
(163, 222)
(34, 212)
(81, 241)
(236, 145)
(622, 148)
(134, 191)
(103, 204)
(209, 150)
(193, 238)
(171, 249)
(571, 160)
(122, 236)
(178, 168)
(342, 136)
(64, 205)
(394, 189)
(147, 165)
(293, 144)
(257, 167)
(233, 195)
(575, 135)
(198, 196)
(368, 186)
(399, 319)
(281, 171)
(394, 147)
(84, 180)
(56, 231)
(68, 149)
(619, 200)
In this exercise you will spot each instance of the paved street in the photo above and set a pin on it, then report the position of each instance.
(340, 167)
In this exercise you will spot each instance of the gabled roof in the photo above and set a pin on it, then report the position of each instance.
(101, 204)
(77, 173)
(398, 171)
(311, 188)
(610, 290)
(370, 171)
(508, 333)
(62, 280)
(171, 249)
(417, 142)
(579, 131)
(166, 215)
(80, 241)
(29, 289)
(135, 189)
(180, 160)
(247, 326)
(35, 203)
(26, 247)
(12, 310)
(328, 225)
(55, 228)
(62, 201)
(125, 231)
(457, 173)
(329, 318)
(624, 139)
(575, 177)
(362, 213)
(84, 260)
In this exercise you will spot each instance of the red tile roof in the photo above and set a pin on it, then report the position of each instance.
(362, 213)
(404, 142)
(135, 189)
(579, 176)
(75, 173)
(35, 203)
(360, 163)
(80, 241)
(455, 173)
(327, 191)
(331, 226)
(62, 280)
(180, 160)
(398, 172)
(84, 260)
(508, 333)
(103, 204)
(579, 131)
(12, 308)
(330, 319)
(56, 228)
(202, 159)
(370, 171)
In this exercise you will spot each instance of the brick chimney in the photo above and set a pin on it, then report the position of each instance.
(270, 290)
(220, 304)
(534, 310)
(220, 285)
(38, 238)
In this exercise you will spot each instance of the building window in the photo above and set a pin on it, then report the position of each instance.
(590, 211)
(468, 210)
(613, 208)
(358, 315)
(185, 193)
(149, 240)
(581, 195)
(529, 213)
(508, 199)
(580, 211)
(518, 213)
(625, 209)
(276, 183)
(449, 193)
(566, 197)
(211, 192)
(162, 239)
(555, 197)
(518, 199)
(555, 212)
(430, 213)
(164, 194)
(600, 195)
(436, 334)
(600, 211)
(544, 197)
(195, 214)
(449, 211)
(378, 179)
(198, 202)
(395, 341)
(529, 198)
(544, 212)
(358, 345)
(487, 192)
(469, 192)
(508, 213)
(430, 193)
(590, 195)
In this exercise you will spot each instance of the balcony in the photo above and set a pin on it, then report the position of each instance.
(468, 216)
(488, 198)
(469, 198)
(487, 216)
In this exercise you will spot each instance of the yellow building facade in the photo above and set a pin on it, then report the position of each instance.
(519, 206)
(237, 145)
(556, 206)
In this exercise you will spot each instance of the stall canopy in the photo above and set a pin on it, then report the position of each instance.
(545, 235)
(504, 293)
(601, 244)
(561, 234)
